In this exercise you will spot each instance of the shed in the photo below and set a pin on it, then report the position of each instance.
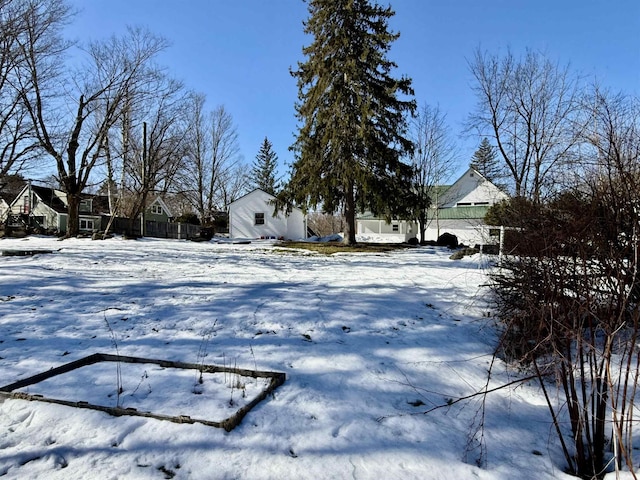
(251, 216)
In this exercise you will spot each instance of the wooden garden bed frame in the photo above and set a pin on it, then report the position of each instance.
(276, 379)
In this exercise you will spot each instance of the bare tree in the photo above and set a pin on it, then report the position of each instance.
(570, 299)
(325, 224)
(153, 142)
(234, 182)
(18, 143)
(434, 160)
(210, 173)
(527, 106)
(73, 113)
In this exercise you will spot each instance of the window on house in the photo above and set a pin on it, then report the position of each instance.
(259, 218)
(395, 227)
(85, 205)
(86, 224)
(481, 203)
(157, 209)
(463, 204)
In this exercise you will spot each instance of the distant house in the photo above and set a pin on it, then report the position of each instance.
(158, 211)
(157, 218)
(46, 208)
(251, 216)
(458, 209)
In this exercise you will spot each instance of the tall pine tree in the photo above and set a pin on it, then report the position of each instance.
(263, 171)
(353, 122)
(485, 161)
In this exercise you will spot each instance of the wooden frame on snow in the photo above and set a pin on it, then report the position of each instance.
(275, 380)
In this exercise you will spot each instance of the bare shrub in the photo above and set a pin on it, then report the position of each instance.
(568, 299)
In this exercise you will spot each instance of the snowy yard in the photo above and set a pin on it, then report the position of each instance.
(367, 342)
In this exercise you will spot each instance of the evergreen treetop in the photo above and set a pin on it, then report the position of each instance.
(263, 171)
(353, 125)
(485, 161)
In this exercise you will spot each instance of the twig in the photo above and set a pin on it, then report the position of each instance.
(114, 342)
(452, 402)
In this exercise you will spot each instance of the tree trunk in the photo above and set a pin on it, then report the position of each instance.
(73, 216)
(350, 216)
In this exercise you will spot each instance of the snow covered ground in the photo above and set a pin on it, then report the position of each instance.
(368, 343)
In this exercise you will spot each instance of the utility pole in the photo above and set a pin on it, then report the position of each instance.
(144, 175)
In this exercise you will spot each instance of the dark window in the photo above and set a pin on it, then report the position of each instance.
(395, 228)
(259, 218)
(85, 206)
(86, 224)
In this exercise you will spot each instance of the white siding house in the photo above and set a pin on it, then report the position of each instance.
(251, 216)
(459, 209)
(4, 209)
(46, 207)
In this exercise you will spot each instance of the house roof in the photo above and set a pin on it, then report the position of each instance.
(438, 190)
(10, 187)
(450, 213)
(56, 200)
(252, 192)
(157, 199)
(49, 198)
(462, 213)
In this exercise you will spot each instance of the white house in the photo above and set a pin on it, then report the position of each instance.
(458, 209)
(251, 216)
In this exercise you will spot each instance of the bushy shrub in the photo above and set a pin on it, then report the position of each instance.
(447, 240)
(568, 302)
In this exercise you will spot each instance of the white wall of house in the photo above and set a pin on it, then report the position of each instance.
(251, 216)
(471, 189)
(4, 209)
(469, 231)
(28, 202)
(397, 231)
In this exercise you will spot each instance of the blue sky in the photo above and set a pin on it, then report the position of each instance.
(239, 52)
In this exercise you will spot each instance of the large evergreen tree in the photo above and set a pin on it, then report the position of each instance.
(263, 171)
(353, 119)
(486, 162)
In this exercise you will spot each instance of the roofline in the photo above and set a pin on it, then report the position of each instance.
(266, 193)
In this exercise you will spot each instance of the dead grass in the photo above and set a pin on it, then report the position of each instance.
(329, 248)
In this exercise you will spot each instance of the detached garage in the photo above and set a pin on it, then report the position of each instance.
(251, 216)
